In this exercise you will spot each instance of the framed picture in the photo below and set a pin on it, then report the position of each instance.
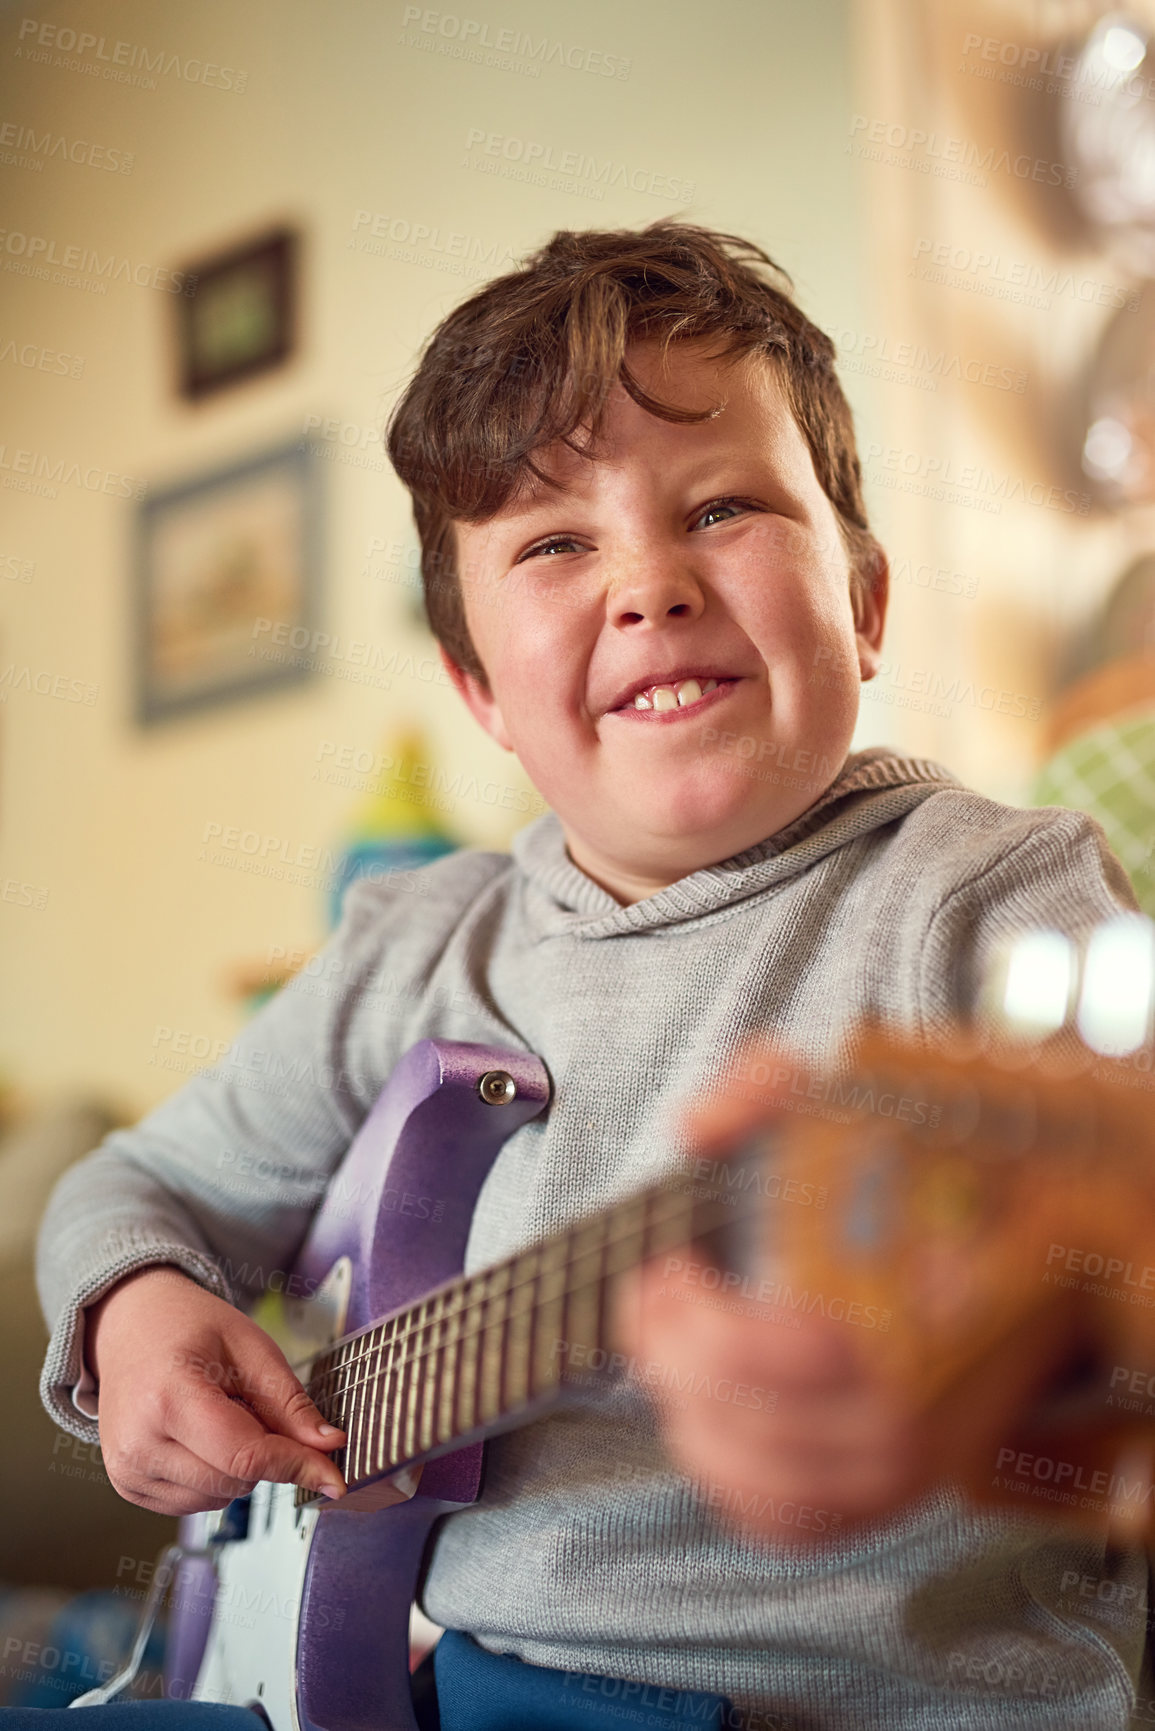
(241, 317)
(227, 583)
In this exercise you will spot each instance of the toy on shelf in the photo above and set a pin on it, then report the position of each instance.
(396, 829)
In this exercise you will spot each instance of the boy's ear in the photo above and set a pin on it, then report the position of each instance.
(871, 594)
(477, 698)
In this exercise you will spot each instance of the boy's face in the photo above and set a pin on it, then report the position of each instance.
(688, 552)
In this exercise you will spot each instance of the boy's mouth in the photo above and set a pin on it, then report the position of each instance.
(683, 691)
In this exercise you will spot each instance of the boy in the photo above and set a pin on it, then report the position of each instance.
(650, 571)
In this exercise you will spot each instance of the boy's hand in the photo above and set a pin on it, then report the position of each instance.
(196, 1402)
(791, 1424)
(785, 1433)
(796, 1432)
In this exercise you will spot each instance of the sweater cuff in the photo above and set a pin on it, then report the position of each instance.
(66, 1381)
(84, 1392)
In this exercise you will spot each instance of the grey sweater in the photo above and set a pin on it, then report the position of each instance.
(587, 1551)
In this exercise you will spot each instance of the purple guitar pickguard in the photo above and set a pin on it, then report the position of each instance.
(400, 1208)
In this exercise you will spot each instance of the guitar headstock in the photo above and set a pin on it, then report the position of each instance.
(945, 1202)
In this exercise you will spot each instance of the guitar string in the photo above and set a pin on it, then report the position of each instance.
(646, 1200)
(399, 1424)
(469, 1312)
(479, 1327)
(473, 1305)
(679, 1204)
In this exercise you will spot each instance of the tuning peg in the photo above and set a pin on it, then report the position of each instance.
(1029, 989)
(1117, 995)
(1103, 986)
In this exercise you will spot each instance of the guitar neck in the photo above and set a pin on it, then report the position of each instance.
(487, 1349)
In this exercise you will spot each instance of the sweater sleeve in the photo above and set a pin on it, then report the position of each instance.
(1053, 868)
(220, 1180)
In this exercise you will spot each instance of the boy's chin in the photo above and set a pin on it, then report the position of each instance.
(674, 838)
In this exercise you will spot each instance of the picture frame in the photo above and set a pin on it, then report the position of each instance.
(227, 583)
(241, 318)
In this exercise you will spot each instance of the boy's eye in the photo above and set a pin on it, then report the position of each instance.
(720, 510)
(551, 544)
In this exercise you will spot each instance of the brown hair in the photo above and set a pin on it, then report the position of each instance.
(533, 357)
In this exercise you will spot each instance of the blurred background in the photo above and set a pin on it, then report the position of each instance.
(226, 232)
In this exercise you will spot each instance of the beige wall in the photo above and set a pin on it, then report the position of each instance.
(982, 366)
(742, 104)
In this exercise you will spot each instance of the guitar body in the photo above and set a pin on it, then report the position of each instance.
(304, 1613)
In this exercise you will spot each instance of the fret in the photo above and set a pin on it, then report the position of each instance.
(335, 1403)
(418, 1369)
(671, 1221)
(376, 1357)
(384, 1384)
(493, 1342)
(431, 1374)
(447, 1394)
(519, 1329)
(627, 1235)
(583, 1283)
(397, 1393)
(548, 1344)
(470, 1355)
(353, 1393)
(385, 1405)
(355, 1389)
(355, 1386)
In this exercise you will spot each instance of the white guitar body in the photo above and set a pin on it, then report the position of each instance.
(258, 1586)
(305, 1613)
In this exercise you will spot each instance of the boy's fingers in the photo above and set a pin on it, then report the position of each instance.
(817, 1354)
(230, 1440)
(168, 1471)
(258, 1373)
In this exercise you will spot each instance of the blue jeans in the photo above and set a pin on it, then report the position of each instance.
(476, 1691)
(136, 1716)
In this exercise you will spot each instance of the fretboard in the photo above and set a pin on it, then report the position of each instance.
(487, 1347)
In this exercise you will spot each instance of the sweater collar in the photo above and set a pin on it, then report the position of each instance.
(873, 788)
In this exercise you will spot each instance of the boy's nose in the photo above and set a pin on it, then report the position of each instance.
(653, 594)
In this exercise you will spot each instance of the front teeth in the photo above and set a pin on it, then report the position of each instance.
(671, 697)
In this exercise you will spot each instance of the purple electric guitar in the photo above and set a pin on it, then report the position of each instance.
(937, 1199)
(304, 1611)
